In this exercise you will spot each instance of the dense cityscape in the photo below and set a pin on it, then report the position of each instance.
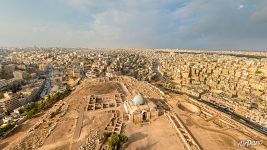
(133, 75)
(228, 87)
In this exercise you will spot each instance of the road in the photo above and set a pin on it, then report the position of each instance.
(238, 118)
(47, 86)
(155, 69)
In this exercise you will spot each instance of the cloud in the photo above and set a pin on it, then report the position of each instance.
(39, 29)
(191, 24)
(148, 23)
(260, 14)
(217, 24)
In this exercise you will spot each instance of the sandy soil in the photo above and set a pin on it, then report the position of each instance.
(61, 136)
(154, 136)
(208, 134)
(18, 133)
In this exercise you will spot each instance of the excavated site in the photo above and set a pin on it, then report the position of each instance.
(94, 107)
(211, 128)
(100, 106)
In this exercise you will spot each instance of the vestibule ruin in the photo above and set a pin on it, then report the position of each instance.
(140, 109)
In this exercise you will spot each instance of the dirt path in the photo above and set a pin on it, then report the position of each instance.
(79, 122)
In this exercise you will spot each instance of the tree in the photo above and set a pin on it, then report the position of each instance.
(7, 113)
(2, 73)
(6, 128)
(106, 135)
(15, 87)
(116, 141)
(21, 111)
(123, 139)
(113, 141)
(29, 114)
(1, 95)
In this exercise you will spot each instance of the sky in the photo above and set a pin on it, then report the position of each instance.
(186, 24)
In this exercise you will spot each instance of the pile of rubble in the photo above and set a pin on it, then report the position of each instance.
(92, 142)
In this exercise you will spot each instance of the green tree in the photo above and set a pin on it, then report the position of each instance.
(34, 108)
(6, 128)
(123, 139)
(29, 114)
(113, 141)
(116, 141)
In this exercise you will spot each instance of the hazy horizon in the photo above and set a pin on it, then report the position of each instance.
(182, 24)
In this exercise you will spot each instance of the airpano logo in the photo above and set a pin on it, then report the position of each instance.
(249, 143)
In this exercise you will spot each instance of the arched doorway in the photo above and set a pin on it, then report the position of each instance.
(144, 116)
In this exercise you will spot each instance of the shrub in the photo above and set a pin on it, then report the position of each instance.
(34, 108)
(6, 128)
(113, 141)
(123, 139)
(116, 141)
(106, 135)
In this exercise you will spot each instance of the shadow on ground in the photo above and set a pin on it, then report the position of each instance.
(3, 145)
(137, 136)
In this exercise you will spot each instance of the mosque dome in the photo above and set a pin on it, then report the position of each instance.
(138, 100)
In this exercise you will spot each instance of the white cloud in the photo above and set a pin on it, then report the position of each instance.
(241, 6)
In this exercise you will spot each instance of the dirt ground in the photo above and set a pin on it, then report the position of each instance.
(157, 135)
(62, 136)
(76, 125)
(18, 133)
(208, 134)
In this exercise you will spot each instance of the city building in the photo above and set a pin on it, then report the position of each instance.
(19, 75)
(10, 102)
(3, 83)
